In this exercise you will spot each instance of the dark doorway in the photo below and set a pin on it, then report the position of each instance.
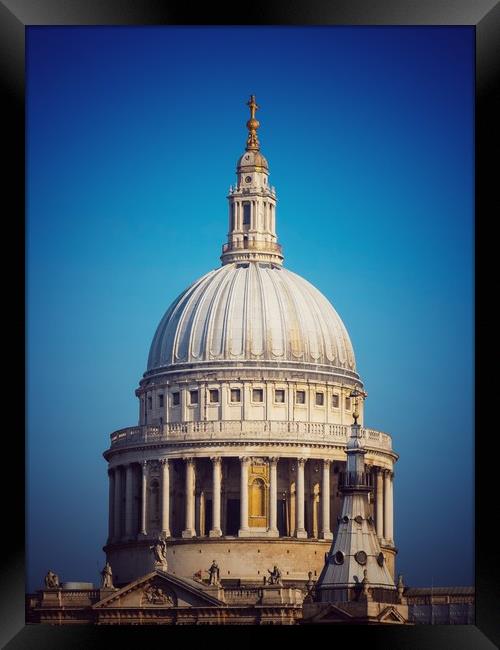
(208, 516)
(232, 517)
(282, 527)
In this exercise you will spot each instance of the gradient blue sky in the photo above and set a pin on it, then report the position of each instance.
(133, 136)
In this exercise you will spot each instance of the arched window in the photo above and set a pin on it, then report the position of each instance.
(257, 498)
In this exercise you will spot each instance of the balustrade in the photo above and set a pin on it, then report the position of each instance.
(243, 429)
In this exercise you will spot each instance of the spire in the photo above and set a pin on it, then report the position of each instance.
(355, 562)
(252, 126)
(252, 206)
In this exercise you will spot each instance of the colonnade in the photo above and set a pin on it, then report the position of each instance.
(383, 490)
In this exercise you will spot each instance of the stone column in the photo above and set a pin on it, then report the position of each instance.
(301, 531)
(144, 496)
(189, 530)
(244, 496)
(111, 505)
(379, 503)
(216, 530)
(388, 507)
(117, 509)
(129, 523)
(165, 497)
(273, 497)
(201, 513)
(326, 533)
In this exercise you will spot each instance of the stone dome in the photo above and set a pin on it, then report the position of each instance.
(252, 312)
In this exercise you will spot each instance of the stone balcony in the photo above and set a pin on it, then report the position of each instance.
(244, 430)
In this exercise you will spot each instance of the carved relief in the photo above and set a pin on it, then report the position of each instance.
(154, 595)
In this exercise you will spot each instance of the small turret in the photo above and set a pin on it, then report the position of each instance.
(355, 564)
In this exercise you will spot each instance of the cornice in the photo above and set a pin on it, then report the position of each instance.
(181, 447)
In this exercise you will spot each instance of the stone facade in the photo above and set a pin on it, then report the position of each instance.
(162, 598)
(287, 498)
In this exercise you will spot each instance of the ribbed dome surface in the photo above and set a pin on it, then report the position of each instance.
(251, 311)
(252, 159)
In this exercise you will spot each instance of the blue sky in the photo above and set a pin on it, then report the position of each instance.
(132, 140)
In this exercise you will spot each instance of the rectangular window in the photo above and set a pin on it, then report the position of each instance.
(160, 398)
(335, 401)
(279, 395)
(347, 403)
(246, 213)
(257, 395)
(300, 397)
(176, 399)
(320, 399)
(214, 395)
(235, 395)
(150, 403)
(193, 397)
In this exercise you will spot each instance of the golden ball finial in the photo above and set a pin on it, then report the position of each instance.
(252, 126)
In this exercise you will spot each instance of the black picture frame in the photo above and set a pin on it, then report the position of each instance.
(15, 16)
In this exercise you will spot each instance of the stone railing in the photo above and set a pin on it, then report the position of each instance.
(242, 595)
(247, 430)
(254, 595)
(47, 597)
(252, 245)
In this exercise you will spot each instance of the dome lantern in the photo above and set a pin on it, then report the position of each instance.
(252, 205)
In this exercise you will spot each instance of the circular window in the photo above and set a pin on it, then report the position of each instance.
(358, 519)
(380, 559)
(360, 557)
(345, 519)
(338, 558)
(248, 179)
(247, 157)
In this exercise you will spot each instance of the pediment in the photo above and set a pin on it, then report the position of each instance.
(331, 614)
(158, 590)
(391, 615)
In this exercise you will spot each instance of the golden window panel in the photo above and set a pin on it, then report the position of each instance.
(258, 488)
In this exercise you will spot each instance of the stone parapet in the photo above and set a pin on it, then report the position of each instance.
(268, 430)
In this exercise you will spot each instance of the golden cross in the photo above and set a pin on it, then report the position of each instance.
(253, 106)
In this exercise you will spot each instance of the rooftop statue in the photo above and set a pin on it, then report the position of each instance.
(52, 580)
(107, 577)
(159, 549)
(275, 576)
(214, 574)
